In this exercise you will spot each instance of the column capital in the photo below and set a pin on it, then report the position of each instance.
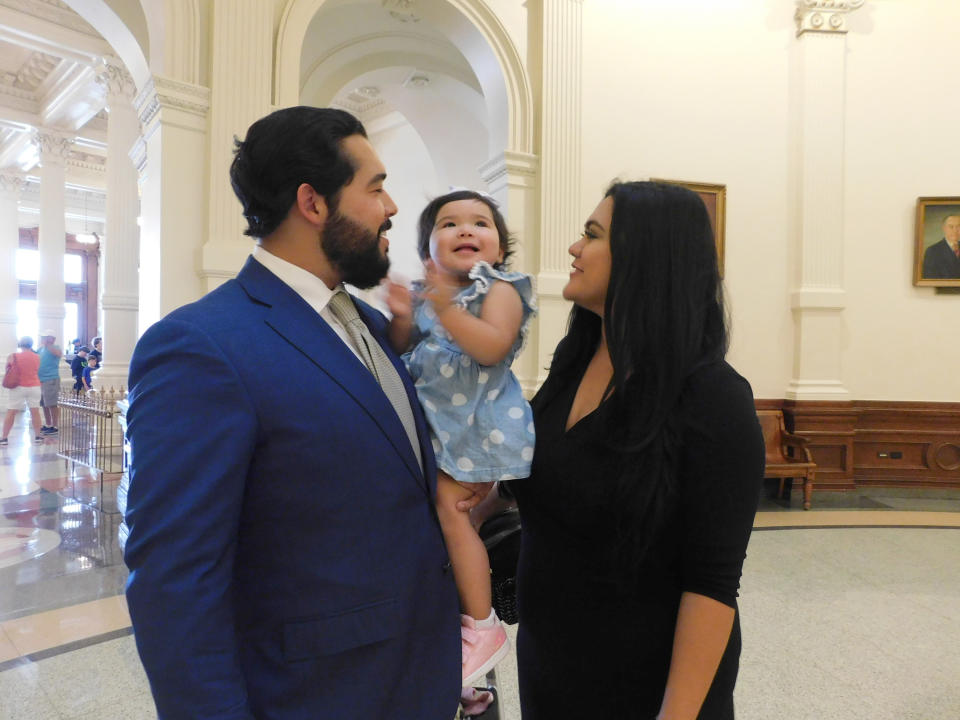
(511, 168)
(118, 83)
(824, 16)
(163, 92)
(11, 182)
(54, 146)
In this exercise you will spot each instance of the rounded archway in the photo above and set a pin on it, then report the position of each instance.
(470, 25)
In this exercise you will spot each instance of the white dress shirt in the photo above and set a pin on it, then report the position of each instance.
(308, 286)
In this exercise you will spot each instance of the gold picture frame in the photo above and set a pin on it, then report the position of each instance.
(715, 198)
(933, 264)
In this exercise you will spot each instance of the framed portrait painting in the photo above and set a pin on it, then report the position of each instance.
(937, 242)
(715, 198)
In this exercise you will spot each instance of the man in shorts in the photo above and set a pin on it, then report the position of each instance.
(49, 373)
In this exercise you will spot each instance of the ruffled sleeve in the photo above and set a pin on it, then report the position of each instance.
(484, 275)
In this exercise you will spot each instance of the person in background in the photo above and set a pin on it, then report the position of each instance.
(88, 373)
(77, 365)
(27, 393)
(49, 374)
(97, 349)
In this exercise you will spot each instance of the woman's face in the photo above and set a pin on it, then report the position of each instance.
(590, 276)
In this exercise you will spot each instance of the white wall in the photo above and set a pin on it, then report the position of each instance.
(698, 91)
(411, 182)
(903, 342)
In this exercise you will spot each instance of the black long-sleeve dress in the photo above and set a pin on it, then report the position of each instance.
(589, 644)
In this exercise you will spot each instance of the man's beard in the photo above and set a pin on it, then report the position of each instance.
(354, 251)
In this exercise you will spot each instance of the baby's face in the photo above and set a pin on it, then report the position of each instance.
(463, 235)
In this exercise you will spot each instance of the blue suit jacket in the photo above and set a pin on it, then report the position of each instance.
(285, 555)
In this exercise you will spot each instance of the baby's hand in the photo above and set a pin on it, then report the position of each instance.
(399, 301)
(438, 291)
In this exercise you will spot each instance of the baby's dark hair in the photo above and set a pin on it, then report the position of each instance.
(428, 218)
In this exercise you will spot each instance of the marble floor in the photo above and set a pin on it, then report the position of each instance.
(849, 611)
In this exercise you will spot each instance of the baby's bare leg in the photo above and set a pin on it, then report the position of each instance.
(471, 566)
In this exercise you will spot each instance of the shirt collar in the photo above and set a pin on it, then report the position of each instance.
(304, 283)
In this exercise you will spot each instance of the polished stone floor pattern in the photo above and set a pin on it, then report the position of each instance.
(849, 611)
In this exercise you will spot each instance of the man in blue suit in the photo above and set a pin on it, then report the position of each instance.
(285, 556)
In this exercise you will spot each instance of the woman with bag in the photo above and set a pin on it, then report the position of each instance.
(21, 371)
(645, 478)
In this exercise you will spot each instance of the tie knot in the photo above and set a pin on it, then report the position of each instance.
(342, 307)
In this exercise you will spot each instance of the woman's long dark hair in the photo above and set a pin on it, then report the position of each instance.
(663, 318)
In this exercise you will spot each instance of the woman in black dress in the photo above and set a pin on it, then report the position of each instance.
(645, 479)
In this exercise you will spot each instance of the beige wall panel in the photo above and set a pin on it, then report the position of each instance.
(695, 91)
(902, 142)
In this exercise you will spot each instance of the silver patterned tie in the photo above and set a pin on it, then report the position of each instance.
(377, 362)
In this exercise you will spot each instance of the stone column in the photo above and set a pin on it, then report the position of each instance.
(241, 65)
(120, 248)
(512, 180)
(820, 298)
(171, 161)
(560, 164)
(51, 291)
(10, 184)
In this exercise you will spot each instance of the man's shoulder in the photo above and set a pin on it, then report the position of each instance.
(220, 310)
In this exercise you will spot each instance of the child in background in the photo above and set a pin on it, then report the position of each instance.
(465, 326)
(77, 366)
(90, 367)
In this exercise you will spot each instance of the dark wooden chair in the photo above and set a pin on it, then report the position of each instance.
(787, 454)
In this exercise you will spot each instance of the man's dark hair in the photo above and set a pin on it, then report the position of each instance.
(282, 151)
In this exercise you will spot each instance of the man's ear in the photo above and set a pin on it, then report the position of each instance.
(312, 205)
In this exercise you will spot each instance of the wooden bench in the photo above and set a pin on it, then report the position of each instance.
(787, 455)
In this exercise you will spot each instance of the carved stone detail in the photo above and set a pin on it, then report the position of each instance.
(53, 146)
(401, 10)
(117, 82)
(11, 183)
(828, 16)
(35, 71)
(162, 92)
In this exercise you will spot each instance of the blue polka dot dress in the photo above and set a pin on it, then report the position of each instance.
(480, 423)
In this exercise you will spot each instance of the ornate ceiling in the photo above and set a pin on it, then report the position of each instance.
(49, 62)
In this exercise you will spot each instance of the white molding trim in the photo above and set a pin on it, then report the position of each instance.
(819, 299)
(816, 390)
(164, 92)
(824, 16)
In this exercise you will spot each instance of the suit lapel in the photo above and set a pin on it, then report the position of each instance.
(298, 324)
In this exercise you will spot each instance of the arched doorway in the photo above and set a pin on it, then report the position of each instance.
(444, 95)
